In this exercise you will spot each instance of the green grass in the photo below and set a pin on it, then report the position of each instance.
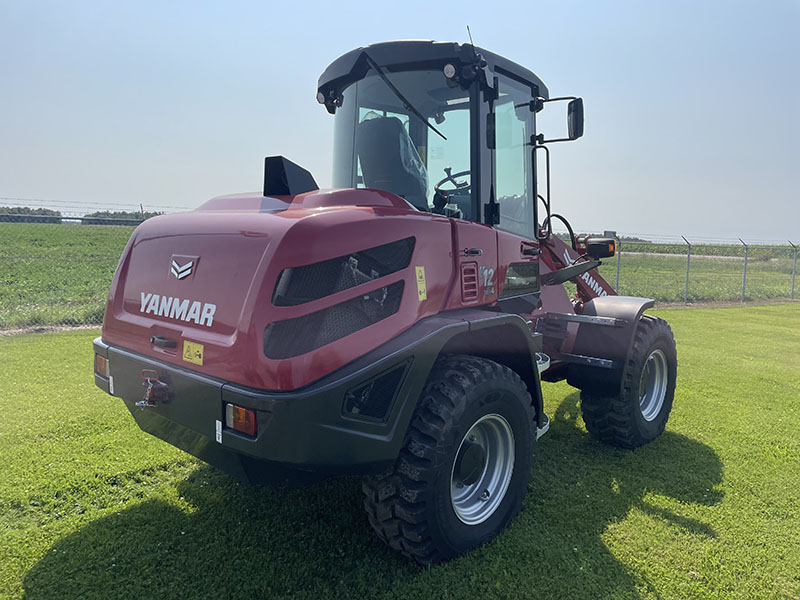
(91, 507)
(60, 274)
(56, 274)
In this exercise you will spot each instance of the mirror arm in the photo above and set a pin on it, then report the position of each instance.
(540, 141)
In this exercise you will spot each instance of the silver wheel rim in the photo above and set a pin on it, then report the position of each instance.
(475, 501)
(653, 385)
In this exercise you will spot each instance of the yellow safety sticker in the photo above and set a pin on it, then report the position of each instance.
(422, 288)
(193, 353)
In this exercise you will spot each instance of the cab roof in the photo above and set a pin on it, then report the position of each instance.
(353, 66)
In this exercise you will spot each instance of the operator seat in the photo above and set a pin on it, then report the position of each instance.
(389, 160)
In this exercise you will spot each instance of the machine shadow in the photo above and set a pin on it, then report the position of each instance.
(224, 539)
(581, 488)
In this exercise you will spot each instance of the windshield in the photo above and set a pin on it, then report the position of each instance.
(380, 143)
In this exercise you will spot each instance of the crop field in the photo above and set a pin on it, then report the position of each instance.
(91, 507)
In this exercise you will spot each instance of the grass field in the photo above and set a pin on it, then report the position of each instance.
(93, 508)
(710, 279)
(60, 274)
(56, 274)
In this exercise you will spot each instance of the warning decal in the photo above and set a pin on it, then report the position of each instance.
(422, 288)
(193, 353)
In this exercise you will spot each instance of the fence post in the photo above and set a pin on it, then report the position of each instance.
(619, 251)
(744, 274)
(688, 259)
(794, 268)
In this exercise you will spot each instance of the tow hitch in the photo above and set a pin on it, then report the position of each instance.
(155, 389)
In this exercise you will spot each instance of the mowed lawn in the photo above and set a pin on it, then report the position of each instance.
(90, 507)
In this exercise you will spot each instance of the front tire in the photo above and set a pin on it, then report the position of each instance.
(639, 413)
(465, 464)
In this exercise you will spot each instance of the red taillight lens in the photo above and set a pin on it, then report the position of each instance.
(101, 365)
(241, 419)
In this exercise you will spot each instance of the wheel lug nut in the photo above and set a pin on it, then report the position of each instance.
(485, 495)
(472, 438)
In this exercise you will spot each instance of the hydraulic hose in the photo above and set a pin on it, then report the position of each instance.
(566, 224)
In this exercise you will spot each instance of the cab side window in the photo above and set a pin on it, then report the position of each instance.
(512, 156)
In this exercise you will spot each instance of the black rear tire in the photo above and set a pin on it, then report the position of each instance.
(411, 506)
(637, 416)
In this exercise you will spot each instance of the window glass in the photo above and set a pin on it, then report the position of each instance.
(513, 179)
(379, 142)
(371, 113)
(453, 155)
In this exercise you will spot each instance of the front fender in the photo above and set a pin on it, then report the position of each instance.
(613, 343)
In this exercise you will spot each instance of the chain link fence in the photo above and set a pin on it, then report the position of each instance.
(703, 272)
(57, 271)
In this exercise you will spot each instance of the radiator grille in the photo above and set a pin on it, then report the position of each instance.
(298, 285)
(293, 337)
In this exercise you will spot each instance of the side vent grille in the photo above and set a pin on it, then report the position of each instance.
(374, 398)
(298, 285)
(293, 337)
(469, 282)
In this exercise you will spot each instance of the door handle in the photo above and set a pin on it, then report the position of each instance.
(163, 342)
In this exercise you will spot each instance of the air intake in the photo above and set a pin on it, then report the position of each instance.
(282, 177)
(469, 282)
(299, 285)
(293, 337)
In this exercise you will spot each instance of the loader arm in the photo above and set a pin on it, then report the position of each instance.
(557, 255)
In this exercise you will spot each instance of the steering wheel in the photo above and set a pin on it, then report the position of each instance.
(464, 186)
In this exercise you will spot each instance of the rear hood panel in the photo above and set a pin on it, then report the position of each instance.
(196, 289)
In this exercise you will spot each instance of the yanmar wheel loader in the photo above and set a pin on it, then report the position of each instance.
(397, 326)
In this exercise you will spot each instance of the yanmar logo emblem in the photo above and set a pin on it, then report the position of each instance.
(181, 271)
(193, 311)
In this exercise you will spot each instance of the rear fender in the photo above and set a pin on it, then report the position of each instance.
(506, 339)
(612, 343)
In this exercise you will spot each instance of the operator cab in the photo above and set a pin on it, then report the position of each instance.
(450, 128)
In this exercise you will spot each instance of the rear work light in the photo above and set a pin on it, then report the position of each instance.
(101, 365)
(240, 419)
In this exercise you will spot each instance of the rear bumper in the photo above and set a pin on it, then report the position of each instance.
(302, 435)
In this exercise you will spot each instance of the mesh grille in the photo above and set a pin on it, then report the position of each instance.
(293, 337)
(298, 285)
(373, 398)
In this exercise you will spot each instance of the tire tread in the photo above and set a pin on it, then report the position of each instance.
(396, 500)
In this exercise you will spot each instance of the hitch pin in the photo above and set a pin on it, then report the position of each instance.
(151, 377)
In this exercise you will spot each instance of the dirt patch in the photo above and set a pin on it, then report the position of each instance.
(44, 329)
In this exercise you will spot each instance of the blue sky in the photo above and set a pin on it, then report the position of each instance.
(692, 122)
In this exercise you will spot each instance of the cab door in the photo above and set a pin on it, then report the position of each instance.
(515, 192)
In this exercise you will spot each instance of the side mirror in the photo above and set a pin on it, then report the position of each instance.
(575, 119)
(599, 248)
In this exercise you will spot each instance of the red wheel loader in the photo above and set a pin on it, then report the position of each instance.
(397, 326)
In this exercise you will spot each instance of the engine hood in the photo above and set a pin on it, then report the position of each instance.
(276, 292)
(317, 199)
